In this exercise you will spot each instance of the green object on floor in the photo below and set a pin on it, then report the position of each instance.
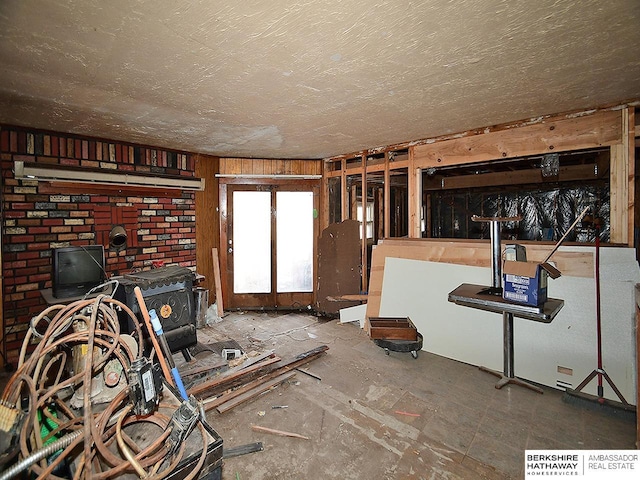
(48, 426)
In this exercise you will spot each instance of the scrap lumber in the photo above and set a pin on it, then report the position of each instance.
(251, 361)
(228, 452)
(214, 402)
(203, 369)
(292, 364)
(258, 428)
(348, 298)
(253, 392)
(217, 280)
(226, 379)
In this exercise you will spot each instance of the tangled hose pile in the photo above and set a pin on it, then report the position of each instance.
(89, 442)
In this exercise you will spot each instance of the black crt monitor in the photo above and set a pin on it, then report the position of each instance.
(76, 270)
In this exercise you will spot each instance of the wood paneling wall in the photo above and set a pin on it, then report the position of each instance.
(263, 166)
(207, 220)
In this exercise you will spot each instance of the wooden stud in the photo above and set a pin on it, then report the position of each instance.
(619, 186)
(218, 281)
(589, 131)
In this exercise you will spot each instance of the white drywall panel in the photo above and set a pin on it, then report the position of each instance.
(419, 290)
(356, 313)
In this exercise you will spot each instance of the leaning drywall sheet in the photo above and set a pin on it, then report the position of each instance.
(419, 289)
(354, 314)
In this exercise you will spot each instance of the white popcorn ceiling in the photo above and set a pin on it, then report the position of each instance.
(308, 79)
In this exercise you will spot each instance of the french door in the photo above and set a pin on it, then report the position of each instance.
(269, 235)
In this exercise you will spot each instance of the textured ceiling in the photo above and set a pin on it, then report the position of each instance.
(308, 79)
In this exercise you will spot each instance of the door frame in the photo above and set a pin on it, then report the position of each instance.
(274, 300)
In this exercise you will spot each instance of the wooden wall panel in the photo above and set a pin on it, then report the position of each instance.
(207, 221)
(262, 166)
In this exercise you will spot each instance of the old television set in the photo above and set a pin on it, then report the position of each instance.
(76, 270)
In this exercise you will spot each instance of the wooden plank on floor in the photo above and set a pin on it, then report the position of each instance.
(254, 392)
(219, 381)
(217, 279)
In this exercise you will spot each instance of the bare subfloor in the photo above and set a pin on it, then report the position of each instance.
(378, 416)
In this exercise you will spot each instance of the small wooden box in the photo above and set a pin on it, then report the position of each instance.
(390, 328)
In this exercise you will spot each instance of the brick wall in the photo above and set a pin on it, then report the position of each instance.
(37, 216)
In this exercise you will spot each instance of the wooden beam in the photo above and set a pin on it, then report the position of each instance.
(261, 386)
(226, 380)
(631, 201)
(386, 213)
(415, 197)
(620, 182)
(590, 131)
(516, 177)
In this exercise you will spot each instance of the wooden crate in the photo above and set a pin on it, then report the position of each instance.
(392, 328)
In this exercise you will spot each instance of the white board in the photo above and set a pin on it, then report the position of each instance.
(419, 290)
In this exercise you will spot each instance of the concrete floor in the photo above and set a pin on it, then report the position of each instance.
(460, 426)
(453, 423)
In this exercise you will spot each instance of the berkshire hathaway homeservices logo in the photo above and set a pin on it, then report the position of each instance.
(583, 464)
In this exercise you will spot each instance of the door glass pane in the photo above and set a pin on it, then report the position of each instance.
(251, 242)
(294, 241)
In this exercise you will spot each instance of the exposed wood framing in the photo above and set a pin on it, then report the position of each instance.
(363, 225)
(631, 201)
(589, 131)
(415, 196)
(637, 298)
(387, 196)
(613, 127)
(518, 177)
(622, 182)
(343, 192)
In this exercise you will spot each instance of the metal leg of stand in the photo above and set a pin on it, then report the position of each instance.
(508, 375)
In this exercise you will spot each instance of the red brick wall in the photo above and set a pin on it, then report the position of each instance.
(159, 228)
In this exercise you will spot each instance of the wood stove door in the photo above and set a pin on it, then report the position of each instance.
(271, 245)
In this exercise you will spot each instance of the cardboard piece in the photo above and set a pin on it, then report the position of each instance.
(526, 282)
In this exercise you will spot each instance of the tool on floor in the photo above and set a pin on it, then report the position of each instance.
(157, 328)
(231, 353)
(576, 395)
(228, 452)
(258, 428)
(147, 321)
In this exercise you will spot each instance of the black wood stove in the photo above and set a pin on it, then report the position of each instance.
(168, 291)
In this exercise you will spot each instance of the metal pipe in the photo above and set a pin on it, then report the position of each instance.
(40, 454)
(508, 357)
(496, 254)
